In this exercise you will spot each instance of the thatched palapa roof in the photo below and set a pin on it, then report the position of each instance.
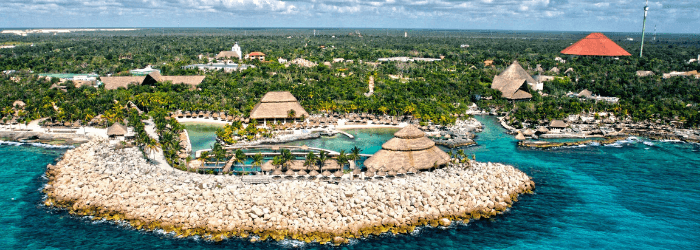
(117, 129)
(558, 124)
(228, 54)
(512, 82)
(114, 82)
(585, 93)
(275, 105)
(408, 149)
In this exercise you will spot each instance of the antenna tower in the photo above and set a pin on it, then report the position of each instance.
(654, 32)
(644, 27)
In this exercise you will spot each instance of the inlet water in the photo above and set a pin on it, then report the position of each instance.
(631, 195)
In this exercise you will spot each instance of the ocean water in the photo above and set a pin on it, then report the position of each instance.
(632, 195)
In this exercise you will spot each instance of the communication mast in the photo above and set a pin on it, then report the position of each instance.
(654, 32)
(644, 27)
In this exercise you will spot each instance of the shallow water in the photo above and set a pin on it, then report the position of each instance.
(634, 196)
(369, 140)
(202, 136)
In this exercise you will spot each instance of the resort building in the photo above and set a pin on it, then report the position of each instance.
(142, 72)
(235, 53)
(276, 105)
(409, 150)
(114, 82)
(513, 83)
(642, 73)
(407, 59)
(227, 67)
(117, 131)
(595, 44)
(256, 56)
(587, 94)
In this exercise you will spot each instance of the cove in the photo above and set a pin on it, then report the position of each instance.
(633, 196)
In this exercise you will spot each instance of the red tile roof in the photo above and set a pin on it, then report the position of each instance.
(595, 44)
(256, 53)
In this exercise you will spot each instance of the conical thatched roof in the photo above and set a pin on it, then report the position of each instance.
(276, 105)
(408, 149)
(585, 93)
(409, 132)
(289, 172)
(512, 82)
(558, 124)
(117, 129)
(528, 132)
(542, 130)
(267, 166)
(520, 136)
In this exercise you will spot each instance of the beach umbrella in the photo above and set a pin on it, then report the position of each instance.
(267, 166)
(357, 171)
(326, 173)
(338, 174)
(277, 172)
(302, 173)
(289, 172)
(401, 171)
(369, 174)
(381, 172)
(391, 173)
(313, 173)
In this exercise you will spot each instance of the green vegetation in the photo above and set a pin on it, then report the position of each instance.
(429, 91)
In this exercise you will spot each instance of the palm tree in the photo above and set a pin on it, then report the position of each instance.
(310, 159)
(277, 161)
(342, 159)
(322, 157)
(152, 146)
(240, 157)
(286, 156)
(219, 153)
(291, 114)
(257, 159)
(355, 153)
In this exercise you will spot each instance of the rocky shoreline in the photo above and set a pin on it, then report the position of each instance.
(44, 138)
(97, 180)
(550, 144)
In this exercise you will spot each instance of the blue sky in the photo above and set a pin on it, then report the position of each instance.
(677, 16)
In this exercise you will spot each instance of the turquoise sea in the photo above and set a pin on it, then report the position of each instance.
(630, 195)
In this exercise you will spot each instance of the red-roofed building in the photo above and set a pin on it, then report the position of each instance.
(595, 44)
(256, 55)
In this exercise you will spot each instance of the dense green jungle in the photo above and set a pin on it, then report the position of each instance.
(430, 91)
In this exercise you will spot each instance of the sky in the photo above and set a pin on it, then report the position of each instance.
(670, 16)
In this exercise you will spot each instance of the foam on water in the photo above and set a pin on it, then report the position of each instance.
(36, 144)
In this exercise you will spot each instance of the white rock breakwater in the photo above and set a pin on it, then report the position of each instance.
(94, 179)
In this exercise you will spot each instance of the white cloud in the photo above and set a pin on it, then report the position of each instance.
(564, 13)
